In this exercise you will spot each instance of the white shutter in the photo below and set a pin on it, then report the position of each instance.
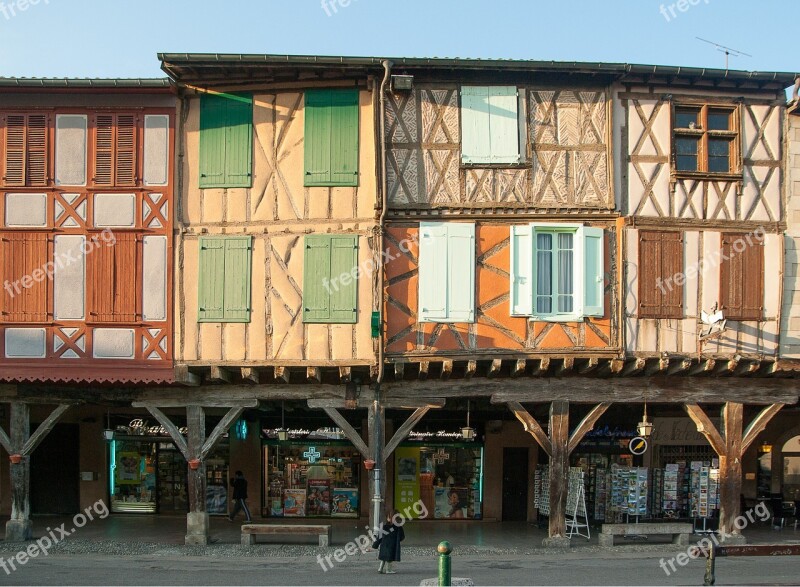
(460, 272)
(433, 280)
(593, 272)
(475, 127)
(156, 150)
(522, 270)
(504, 124)
(71, 133)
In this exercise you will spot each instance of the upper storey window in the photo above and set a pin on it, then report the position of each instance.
(489, 125)
(226, 140)
(331, 138)
(705, 139)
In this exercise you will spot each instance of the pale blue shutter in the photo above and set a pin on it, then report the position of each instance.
(593, 272)
(475, 128)
(504, 124)
(522, 270)
(433, 280)
(460, 272)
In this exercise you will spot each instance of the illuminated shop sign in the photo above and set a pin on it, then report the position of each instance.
(141, 427)
(303, 433)
(438, 435)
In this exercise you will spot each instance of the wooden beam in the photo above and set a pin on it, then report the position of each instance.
(565, 367)
(617, 365)
(590, 366)
(706, 428)
(345, 374)
(220, 429)
(679, 367)
(313, 375)
(251, 374)
(282, 374)
(586, 425)
(726, 367)
(399, 369)
(5, 442)
(186, 377)
(200, 401)
(349, 431)
(656, 366)
(494, 368)
(730, 468)
(531, 426)
(402, 433)
(758, 424)
(746, 368)
(220, 375)
(519, 368)
(196, 477)
(704, 367)
(171, 429)
(19, 526)
(542, 367)
(44, 429)
(559, 468)
(447, 370)
(391, 403)
(470, 369)
(424, 367)
(634, 367)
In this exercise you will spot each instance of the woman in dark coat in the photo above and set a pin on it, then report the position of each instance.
(389, 544)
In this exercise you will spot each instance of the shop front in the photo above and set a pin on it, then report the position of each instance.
(445, 474)
(311, 474)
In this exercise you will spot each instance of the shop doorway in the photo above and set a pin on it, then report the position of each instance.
(55, 472)
(515, 484)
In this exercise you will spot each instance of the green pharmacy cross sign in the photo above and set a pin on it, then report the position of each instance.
(312, 454)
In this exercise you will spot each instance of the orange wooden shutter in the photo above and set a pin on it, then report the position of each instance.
(26, 144)
(660, 262)
(113, 272)
(742, 278)
(23, 253)
(115, 149)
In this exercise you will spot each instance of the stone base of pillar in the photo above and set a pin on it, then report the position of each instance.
(559, 542)
(197, 529)
(734, 540)
(19, 530)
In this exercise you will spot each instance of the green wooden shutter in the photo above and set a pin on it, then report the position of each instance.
(316, 279)
(433, 281)
(210, 294)
(503, 124)
(460, 272)
(344, 292)
(593, 272)
(317, 137)
(238, 259)
(475, 128)
(344, 137)
(226, 140)
(522, 270)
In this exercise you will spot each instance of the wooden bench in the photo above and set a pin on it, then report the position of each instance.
(680, 532)
(250, 531)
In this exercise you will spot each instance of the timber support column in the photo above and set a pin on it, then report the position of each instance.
(377, 441)
(19, 527)
(559, 474)
(197, 524)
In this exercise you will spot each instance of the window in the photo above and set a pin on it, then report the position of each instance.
(446, 272)
(224, 291)
(705, 139)
(489, 125)
(116, 150)
(661, 276)
(557, 271)
(331, 138)
(330, 279)
(25, 142)
(24, 254)
(742, 277)
(226, 140)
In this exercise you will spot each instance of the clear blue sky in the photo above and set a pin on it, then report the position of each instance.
(120, 38)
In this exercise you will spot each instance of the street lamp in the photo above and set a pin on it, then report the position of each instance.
(467, 432)
(644, 428)
(283, 433)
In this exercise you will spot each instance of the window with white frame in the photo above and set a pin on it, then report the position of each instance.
(557, 271)
(489, 125)
(446, 272)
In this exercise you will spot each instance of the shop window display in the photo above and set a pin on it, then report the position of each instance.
(133, 476)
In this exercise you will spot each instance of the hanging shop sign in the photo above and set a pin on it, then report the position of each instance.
(307, 434)
(426, 436)
(638, 446)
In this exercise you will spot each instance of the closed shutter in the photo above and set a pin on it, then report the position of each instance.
(316, 279)
(433, 281)
(476, 145)
(330, 284)
(344, 137)
(521, 270)
(236, 302)
(742, 277)
(344, 297)
(226, 140)
(503, 124)
(460, 272)
(23, 254)
(115, 150)
(660, 262)
(593, 272)
(211, 285)
(113, 278)
(26, 150)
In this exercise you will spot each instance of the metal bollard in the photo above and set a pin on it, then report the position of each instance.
(444, 549)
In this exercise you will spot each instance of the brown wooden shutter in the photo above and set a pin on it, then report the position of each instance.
(26, 145)
(660, 263)
(742, 277)
(23, 254)
(115, 150)
(113, 271)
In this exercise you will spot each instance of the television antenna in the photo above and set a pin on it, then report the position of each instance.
(727, 50)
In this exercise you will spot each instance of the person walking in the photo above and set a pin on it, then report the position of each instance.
(389, 544)
(239, 484)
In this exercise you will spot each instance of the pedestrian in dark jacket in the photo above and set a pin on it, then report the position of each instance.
(389, 543)
(239, 484)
